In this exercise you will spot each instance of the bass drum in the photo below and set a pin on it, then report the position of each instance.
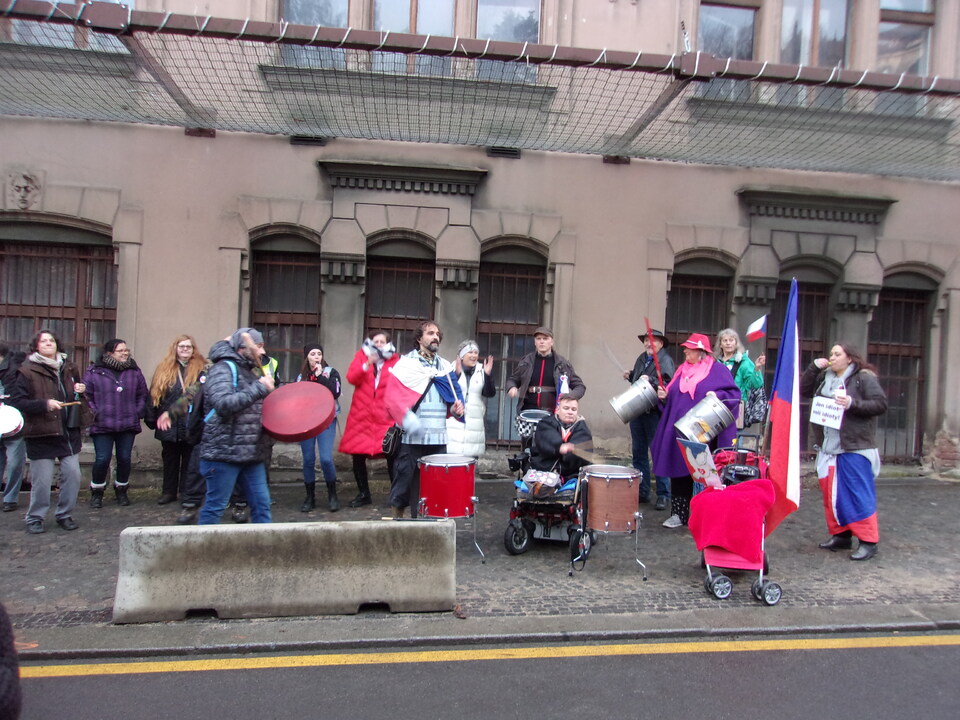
(613, 494)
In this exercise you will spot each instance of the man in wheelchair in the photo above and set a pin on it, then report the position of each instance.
(559, 437)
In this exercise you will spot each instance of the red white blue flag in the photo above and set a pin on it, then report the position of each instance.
(757, 329)
(785, 419)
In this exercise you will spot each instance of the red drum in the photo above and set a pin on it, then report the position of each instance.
(298, 411)
(613, 493)
(446, 486)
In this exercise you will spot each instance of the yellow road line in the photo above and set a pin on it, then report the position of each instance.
(506, 653)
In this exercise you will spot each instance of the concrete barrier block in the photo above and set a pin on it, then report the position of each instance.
(285, 569)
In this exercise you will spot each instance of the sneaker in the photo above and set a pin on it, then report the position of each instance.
(9, 506)
(67, 523)
(673, 522)
(188, 516)
(661, 503)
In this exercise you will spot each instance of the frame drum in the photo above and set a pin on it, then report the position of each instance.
(705, 420)
(11, 421)
(447, 486)
(298, 411)
(613, 494)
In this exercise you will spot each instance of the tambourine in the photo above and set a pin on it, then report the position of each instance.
(298, 411)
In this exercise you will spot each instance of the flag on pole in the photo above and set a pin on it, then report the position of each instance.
(785, 419)
(757, 329)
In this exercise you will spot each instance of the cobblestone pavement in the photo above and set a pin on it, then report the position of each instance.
(64, 579)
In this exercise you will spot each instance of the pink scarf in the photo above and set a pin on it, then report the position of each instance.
(690, 375)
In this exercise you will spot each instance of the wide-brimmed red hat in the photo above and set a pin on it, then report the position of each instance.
(698, 341)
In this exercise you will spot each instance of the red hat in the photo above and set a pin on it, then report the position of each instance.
(698, 341)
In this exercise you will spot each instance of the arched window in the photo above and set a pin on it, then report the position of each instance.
(400, 286)
(61, 279)
(510, 298)
(698, 301)
(285, 297)
(898, 337)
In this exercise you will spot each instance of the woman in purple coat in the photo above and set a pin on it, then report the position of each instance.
(117, 392)
(698, 376)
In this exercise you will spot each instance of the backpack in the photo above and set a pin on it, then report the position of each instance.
(198, 415)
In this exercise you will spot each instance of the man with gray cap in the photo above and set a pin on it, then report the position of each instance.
(643, 428)
(234, 445)
(541, 376)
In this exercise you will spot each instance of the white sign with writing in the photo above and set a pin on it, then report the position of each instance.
(825, 411)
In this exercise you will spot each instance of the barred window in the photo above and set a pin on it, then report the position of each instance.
(70, 289)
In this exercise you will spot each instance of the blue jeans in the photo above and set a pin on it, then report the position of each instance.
(103, 448)
(221, 478)
(13, 455)
(642, 430)
(322, 444)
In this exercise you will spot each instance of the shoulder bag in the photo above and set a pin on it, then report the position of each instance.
(391, 439)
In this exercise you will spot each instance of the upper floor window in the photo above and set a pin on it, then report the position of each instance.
(328, 13)
(513, 20)
(516, 20)
(814, 32)
(903, 45)
(726, 31)
(71, 37)
(422, 17)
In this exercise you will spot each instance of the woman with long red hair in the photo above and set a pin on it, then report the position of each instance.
(180, 369)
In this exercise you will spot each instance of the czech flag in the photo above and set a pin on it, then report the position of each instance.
(757, 329)
(410, 381)
(785, 419)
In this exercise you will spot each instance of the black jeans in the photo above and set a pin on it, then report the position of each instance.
(405, 481)
(176, 463)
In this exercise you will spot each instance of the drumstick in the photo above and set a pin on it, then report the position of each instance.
(656, 360)
(588, 455)
(613, 358)
(255, 353)
(74, 402)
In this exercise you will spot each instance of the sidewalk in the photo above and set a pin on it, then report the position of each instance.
(58, 587)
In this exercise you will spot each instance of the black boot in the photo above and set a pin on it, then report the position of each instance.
(121, 493)
(866, 551)
(311, 500)
(333, 503)
(363, 497)
(96, 498)
(840, 541)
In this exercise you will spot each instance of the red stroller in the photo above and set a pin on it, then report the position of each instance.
(728, 524)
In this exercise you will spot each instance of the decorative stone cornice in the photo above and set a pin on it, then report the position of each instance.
(435, 179)
(858, 298)
(457, 274)
(343, 268)
(802, 204)
(755, 291)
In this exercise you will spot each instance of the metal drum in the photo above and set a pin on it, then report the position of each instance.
(11, 421)
(638, 399)
(527, 422)
(613, 493)
(447, 486)
(705, 420)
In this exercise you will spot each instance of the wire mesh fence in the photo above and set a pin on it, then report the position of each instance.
(210, 81)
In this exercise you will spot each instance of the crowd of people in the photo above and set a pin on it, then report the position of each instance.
(207, 415)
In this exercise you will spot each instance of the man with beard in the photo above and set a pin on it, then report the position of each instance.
(420, 375)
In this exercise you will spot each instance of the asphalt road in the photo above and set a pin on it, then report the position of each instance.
(880, 676)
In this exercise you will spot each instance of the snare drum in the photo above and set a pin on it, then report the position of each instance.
(613, 493)
(11, 421)
(705, 420)
(527, 422)
(447, 486)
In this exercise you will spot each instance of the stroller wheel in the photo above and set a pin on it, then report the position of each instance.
(755, 589)
(517, 539)
(721, 587)
(771, 593)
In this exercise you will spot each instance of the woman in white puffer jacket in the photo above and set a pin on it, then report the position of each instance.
(468, 437)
